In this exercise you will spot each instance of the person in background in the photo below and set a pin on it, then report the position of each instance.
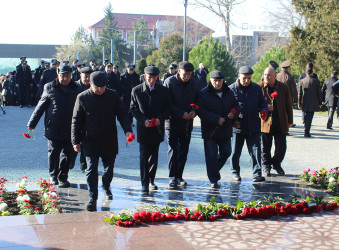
(172, 70)
(201, 75)
(329, 97)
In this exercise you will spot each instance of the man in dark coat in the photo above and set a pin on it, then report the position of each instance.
(277, 123)
(113, 79)
(57, 102)
(172, 70)
(76, 71)
(217, 108)
(285, 76)
(129, 80)
(329, 97)
(49, 75)
(183, 92)
(251, 100)
(201, 75)
(309, 99)
(24, 79)
(149, 106)
(104, 64)
(94, 126)
(84, 82)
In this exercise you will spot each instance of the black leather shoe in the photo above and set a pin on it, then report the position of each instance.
(307, 135)
(108, 194)
(172, 185)
(258, 179)
(329, 128)
(91, 206)
(236, 177)
(64, 184)
(153, 186)
(144, 190)
(215, 185)
(182, 182)
(267, 172)
(279, 170)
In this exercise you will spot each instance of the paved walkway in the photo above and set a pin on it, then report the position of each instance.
(82, 230)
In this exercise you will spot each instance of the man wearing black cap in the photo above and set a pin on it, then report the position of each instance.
(75, 64)
(113, 79)
(179, 126)
(36, 78)
(25, 82)
(251, 101)
(285, 76)
(103, 66)
(129, 80)
(49, 75)
(57, 102)
(76, 72)
(217, 109)
(94, 125)
(172, 70)
(149, 106)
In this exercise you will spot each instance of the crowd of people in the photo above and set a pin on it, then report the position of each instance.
(82, 103)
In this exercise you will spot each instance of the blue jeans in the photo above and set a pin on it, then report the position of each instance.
(216, 155)
(92, 174)
(178, 146)
(254, 149)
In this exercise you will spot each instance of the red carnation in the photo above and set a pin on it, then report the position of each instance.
(329, 207)
(233, 111)
(304, 204)
(318, 209)
(26, 135)
(282, 213)
(187, 217)
(238, 217)
(323, 206)
(306, 210)
(277, 205)
(193, 218)
(274, 94)
(197, 213)
(120, 223)
(194, 107)
(130, 138)
(186, 211)
(37, 208)
(152, 122)
(200, 218)
(334, 204)
(263, 114)
(138, 222)
(136, 216)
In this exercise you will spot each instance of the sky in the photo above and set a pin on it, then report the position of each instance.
(54, 22)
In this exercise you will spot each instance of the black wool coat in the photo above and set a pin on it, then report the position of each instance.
(182, 95)
(328, 93)
(57, 103)
(94, 122)
(145, 105)
(212, 108)
(127, 83)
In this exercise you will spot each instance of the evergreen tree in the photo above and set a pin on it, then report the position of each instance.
(318, 41)
(170, 51)
(276, 54)
(141, 66)
(122, 54)
(213, 54)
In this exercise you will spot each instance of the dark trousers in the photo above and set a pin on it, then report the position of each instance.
(254, 150)
(148, 162)
(178, 146)
(308, 117)
(92, 174)
(331, 111)
(216, 155)
(60, 158)
(24, 94)
(279, 151)
(83, 163)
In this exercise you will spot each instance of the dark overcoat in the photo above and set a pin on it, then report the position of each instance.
(309, 94)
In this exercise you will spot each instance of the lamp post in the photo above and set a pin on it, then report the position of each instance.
(184, 50)
(103, 53)
(136, 32)
(112, 48)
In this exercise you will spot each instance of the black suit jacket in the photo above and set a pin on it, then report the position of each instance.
(328, 93)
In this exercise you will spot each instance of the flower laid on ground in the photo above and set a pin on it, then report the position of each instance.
(327, 179)
(3, 194)
(213, 211)
(23, 199)
(49, 197)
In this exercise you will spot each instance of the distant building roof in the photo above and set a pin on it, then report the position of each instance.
(124, 21)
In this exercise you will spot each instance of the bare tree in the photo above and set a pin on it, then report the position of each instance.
(221, 8)
(282, 16)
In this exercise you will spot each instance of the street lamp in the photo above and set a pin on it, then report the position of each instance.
(136, 32)
(184, 50)
(112, 49)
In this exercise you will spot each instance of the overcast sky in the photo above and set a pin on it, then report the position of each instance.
(54, 22)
